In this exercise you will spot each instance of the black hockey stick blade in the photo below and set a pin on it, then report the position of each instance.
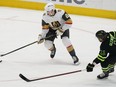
(24, 78)
(30, 80)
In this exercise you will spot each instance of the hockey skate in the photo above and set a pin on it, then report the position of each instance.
(103, 75)
(76, 60)
(111, 70)
(53, 52)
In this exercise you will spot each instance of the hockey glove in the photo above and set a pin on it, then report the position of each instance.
(90, 67)
(40, 40)
(59, 32)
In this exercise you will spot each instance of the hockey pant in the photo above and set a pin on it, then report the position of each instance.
(65, 40)
(109, 63)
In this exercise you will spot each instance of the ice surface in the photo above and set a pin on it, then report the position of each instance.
(19, 27)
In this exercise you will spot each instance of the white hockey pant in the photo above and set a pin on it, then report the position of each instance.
(65, 40)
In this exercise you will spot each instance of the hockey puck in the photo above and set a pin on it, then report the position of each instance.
(0, 61)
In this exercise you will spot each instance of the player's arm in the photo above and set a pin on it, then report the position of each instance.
(45, 29)
(68, 21)
(100, 58)
(102, 54)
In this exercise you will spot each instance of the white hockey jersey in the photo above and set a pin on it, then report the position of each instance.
(60, 20)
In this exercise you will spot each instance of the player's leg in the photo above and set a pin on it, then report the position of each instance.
(112, 63)
(49, 43)
(105, 72)
(67, 43)
(107, 67)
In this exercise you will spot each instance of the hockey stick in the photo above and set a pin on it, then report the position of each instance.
(18, 49)
(30, 80)
(24, 46)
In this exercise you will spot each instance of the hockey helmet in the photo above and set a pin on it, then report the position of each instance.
(101, 35)
(49, 8)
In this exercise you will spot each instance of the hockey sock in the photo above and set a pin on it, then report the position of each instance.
(71, 50)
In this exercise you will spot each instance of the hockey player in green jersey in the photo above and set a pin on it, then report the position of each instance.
(107, 53)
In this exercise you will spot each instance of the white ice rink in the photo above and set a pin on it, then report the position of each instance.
(19, 27)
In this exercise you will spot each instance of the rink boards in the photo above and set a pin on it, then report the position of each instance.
(70, 9)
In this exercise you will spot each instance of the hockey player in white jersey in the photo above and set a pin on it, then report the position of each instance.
(56, 22)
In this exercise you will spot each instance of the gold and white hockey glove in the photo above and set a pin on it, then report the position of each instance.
(40, 40)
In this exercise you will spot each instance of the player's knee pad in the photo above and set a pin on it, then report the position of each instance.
(66, 41)
(48, 44)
